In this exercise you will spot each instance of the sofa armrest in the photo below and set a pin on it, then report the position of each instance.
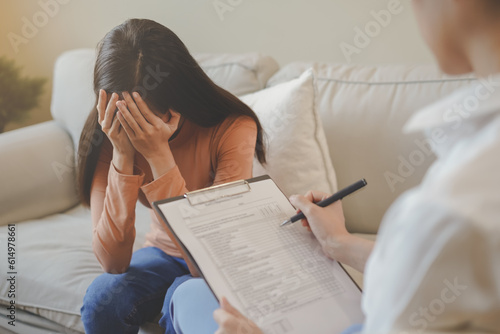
(37, 172)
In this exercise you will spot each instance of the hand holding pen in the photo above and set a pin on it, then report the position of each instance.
(328, 225)
(329, 200)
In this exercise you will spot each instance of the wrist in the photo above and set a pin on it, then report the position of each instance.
(161, 163)
(351, 250)
(338, 247)
(124, 163)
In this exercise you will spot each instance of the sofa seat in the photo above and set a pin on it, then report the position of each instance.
(54, 259)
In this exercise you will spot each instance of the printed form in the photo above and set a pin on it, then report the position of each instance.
(276, 276)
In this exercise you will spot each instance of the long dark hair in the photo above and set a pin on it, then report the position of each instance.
(144, 56)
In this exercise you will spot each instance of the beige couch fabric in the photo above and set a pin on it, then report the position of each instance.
(363, 109)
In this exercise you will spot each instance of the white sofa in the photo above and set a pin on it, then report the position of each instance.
(362, 110)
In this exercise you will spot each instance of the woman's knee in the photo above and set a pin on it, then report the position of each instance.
(105, 297)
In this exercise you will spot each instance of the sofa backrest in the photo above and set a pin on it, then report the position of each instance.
(73, 96)
(363, 110)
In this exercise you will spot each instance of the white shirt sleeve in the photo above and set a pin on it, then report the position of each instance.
(432, 270)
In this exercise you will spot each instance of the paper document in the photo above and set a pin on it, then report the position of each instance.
(276, 276)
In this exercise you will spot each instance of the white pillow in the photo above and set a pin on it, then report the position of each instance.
(297, 151)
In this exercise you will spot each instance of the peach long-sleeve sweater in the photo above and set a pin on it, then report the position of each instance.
(203, 156)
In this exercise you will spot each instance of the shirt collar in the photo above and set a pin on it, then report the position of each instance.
(480, 98)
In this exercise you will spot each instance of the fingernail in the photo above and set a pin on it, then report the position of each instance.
(136, 95)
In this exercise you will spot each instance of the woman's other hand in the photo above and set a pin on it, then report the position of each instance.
(123, 151)
(231, 321)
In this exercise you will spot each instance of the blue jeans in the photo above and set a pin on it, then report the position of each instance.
(192, 305)
(121, 303)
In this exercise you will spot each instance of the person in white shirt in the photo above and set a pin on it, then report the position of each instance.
(435, 266)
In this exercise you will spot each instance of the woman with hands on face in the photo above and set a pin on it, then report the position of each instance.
(160, 129)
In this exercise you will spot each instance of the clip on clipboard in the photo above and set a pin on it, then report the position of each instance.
(215, 193)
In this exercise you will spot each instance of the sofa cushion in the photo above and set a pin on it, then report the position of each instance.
(363, 109)
(238, 73)
(56, 263)
(39, 172)
(297, 153)
(73, 94)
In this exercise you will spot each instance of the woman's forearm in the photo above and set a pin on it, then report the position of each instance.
(351, 250)
(113, 202)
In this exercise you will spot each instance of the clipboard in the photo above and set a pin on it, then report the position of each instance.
(347, 307)
(206, 195)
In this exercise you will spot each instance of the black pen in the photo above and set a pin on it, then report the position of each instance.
(327, 201)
